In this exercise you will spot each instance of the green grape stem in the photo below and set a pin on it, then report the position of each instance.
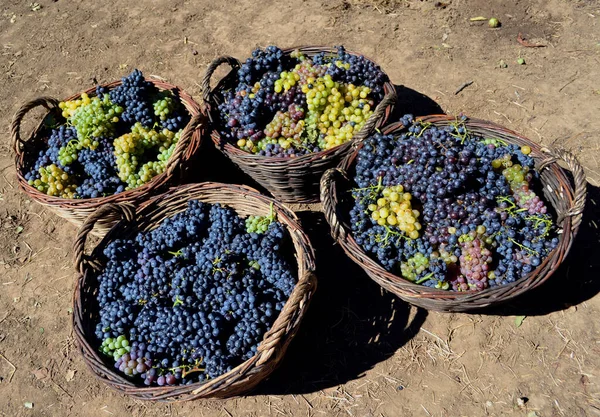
(425, 278)
(525, 248)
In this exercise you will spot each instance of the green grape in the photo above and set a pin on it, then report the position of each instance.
(115, 347)
(414, 266)
(93, 118)
(394, 209)
(68, 154)
(130, 149)
(165, 105)
(55, 182)
(260, 224)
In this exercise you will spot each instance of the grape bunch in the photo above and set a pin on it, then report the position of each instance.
(449, 209)
(109, 143)
(192, 298)
(286, 106)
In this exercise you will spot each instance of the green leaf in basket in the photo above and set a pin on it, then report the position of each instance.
(519, 320)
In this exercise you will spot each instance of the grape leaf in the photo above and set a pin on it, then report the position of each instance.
(519, 320)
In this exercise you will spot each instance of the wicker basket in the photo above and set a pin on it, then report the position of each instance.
(244, 377)
(568, 201)
(291, 180)
(77, 210)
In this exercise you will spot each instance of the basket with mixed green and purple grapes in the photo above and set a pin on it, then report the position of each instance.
(285, 116)
(115, 142)
(450, 213)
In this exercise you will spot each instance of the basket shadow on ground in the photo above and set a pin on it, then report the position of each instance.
(576, 280)
(412, 102)
(350, 326)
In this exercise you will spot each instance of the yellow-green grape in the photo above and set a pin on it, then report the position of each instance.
(286, 81)
(335, 111)
(515, 175)
(163, 107)
(69, 107)
(92, 118)
(448, 257)
(394, 208)
(130, 148)
(54, 182)
(505, 162)
(414, 266)
(257, 224)
(115, 347)
(285, 129)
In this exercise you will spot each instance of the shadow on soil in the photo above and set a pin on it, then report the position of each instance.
(413, 102)
(351, 325)
(578, 277)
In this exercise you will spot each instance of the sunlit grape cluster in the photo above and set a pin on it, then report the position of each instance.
(301, 105)
(115, 347)
(81, 160)
(131, 147)
(394, 209)
(475, 262)
(94, 118)
(54, 182)
(260, 224)
(284, 130)
(518, 178)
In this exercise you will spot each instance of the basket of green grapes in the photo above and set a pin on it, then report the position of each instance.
(285, 116)
(113, 143)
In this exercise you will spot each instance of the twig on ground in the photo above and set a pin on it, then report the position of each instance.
(462, 87)
(14, 368)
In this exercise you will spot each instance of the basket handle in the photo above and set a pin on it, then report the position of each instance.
(183, 144)
(15, 127)
(327, 199)
(124, 210)
(388, 100)
(206, 90)
(576, 209)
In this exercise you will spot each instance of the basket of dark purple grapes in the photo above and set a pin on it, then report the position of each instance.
(286, 116)
(113, 143)
(455, 214)
(196, 295)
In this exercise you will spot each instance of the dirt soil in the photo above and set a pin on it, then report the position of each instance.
(360, 352)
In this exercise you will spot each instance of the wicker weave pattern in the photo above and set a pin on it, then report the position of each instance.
(567, 199)
(77, 210)
(246, 376)
(291, 180)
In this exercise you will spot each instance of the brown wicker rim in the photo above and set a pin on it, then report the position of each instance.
(567, 199)
(77, 210)
(291, 180)
(245, 201)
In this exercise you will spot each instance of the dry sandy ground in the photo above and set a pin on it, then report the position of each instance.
(360, 352)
